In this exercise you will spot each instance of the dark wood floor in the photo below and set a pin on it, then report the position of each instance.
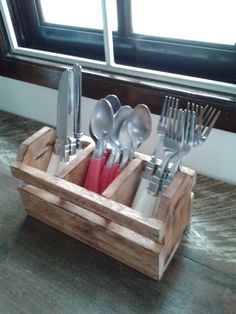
(45, 271)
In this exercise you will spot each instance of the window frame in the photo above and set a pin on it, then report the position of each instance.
(183, 57)
(96, 84)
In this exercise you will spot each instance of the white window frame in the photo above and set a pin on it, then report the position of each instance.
(109, 65)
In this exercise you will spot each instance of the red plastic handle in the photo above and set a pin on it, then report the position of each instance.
(106, 154)
(118, 171)
(113, 172)
(103, 183)
(93, 174)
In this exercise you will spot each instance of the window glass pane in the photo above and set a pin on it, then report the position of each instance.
(202, 20)
(78, 13)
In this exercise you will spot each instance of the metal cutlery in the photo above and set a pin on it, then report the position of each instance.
(162, 128)
(173, 141)
(188, 143)
(115, 104)
(102, 124)
(76, 95)
(178, 132)
(123, 132)
(110, 170)
(206, 120)
(134, 131)
(65, 145)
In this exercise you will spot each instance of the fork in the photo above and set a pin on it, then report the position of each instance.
(196, 133)
(148, 200)
(205, 122)
(176, 160)
(158, 151)
(173, 143)
(162, 128)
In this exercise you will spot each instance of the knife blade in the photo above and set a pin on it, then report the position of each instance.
(77, 78)
(65, 145)
(66, 142)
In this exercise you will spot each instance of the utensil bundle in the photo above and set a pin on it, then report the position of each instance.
(122, 132)
(68, 119)
(178, 131)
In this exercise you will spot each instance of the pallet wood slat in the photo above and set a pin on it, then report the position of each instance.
(105, 222)
(80, 196)
(112, 239)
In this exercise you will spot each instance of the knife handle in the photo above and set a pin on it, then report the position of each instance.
(146, 203)
(143, 186)
(93, 174)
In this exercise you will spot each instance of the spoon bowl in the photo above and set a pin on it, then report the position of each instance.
(134, 132)
(139, 125)
(114, 101)
(115, 104)
(102, 123)
(120, 117)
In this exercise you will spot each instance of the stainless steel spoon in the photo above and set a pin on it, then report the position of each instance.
(114, 101)
(141, 126)
(134, 131)
(120, 117)
(111, 168)
(115, 104)
(102, 124)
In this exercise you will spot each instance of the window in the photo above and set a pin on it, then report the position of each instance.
(136, 64)
(200, 20)
(183, 42)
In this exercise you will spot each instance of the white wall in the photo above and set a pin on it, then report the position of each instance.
(215, 158)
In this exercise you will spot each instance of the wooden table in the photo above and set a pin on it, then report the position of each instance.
(45, 271)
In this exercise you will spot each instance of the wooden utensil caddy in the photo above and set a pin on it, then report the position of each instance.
(105, 222)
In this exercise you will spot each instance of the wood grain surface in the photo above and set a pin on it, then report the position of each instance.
(45, 271)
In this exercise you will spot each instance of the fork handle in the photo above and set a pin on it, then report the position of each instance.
(158, 152)
(155, 182)
(177, 159)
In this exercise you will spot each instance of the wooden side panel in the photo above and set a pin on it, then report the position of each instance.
(175, 212)
(37, 149)
(124, 187)
(118, 242)
(176, 224)
(180, 188)
(76, 170)
(94, 202)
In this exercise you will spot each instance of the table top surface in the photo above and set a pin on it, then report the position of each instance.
(44, 271)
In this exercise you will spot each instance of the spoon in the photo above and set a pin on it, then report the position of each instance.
(115, 104)
(120, 117)
(102, 124)
(109, 170)
(114, 101)
(134, 132)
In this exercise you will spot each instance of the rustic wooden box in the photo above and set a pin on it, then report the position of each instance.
(105, 222)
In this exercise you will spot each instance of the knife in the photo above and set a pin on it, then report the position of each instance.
(77, 92)
(65, 145)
